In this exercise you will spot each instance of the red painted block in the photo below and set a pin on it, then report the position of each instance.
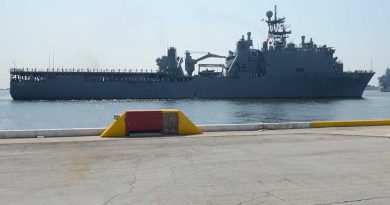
(144, 121)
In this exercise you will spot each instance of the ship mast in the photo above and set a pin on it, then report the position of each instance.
(277, 31)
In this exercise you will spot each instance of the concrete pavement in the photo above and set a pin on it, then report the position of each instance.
(309, 166)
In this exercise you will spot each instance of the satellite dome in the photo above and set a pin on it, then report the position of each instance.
(269, 14)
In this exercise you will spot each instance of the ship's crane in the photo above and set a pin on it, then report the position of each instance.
(190, 62)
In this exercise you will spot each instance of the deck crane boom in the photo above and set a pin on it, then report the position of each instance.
(190, 62)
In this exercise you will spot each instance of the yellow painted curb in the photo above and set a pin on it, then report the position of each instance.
(350, 123)
(185, 125)
(117, 128)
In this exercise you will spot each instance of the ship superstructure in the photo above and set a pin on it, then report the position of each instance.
(277, 70)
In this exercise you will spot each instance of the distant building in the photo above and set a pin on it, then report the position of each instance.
(384, 81)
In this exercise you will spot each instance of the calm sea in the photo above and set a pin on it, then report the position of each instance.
(80, 114)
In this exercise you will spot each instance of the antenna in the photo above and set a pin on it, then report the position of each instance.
(49, 60)
(275, 13)
(371, 64)
(13, 62)
(53, 59)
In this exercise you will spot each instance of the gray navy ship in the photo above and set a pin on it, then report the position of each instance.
(384, 81)
(277, 70)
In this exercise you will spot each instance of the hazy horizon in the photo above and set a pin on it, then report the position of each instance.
(122, 34)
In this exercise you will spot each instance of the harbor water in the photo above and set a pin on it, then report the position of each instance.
(19, 115)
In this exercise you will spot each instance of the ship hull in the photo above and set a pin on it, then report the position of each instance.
(75, 87)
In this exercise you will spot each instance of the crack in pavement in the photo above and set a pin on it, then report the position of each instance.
(352, 201)
(269, 194)
(132, 182)
(253, 199)
(173, 175)
(281, 199)
(111, 198)
(23, 148)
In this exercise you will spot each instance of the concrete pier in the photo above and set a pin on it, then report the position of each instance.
(349, 165)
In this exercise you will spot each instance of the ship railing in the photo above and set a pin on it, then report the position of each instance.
(359, 71)
(82, 70)
(318, 49)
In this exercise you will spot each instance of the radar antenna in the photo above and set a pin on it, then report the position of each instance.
(277, 31)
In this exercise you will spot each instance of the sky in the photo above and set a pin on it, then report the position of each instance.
(118, 34)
